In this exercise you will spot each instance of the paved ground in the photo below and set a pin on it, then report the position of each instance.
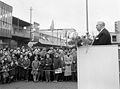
(39, 85)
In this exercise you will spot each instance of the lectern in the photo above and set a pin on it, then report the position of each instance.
(98, 67)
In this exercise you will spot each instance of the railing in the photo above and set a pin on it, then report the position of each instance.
(21, 32)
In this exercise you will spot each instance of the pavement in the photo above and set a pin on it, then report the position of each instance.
(39, 85)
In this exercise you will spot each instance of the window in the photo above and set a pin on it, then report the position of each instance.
(119, 54)
(0, 24)
(114, 38)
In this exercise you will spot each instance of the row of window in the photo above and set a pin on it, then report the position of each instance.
(5, 25)
(5, 8)
(5, 16)
(5, 32)
(5, 19)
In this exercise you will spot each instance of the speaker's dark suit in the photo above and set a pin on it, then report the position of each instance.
(103, 38)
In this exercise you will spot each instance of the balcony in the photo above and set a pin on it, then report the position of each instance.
(20, 32)
(20, 28)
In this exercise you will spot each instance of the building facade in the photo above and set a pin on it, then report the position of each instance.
(56, 37)
(16, 32)
(48, 39)
(63, 33)
(115, 36)
(5, 23)
(20, 31)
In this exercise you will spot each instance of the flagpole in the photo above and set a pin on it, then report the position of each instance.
(57, 36)
(87, 27)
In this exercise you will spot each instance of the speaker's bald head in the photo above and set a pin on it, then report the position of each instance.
(100, 25)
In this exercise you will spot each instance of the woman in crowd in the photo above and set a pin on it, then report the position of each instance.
(47, 68)
(68, 58)
(35, 69)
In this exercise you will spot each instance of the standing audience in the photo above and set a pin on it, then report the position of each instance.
(38, 64)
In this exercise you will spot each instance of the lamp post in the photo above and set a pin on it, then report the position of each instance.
(30, 23)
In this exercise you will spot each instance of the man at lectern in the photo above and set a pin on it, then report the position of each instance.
(103, 38)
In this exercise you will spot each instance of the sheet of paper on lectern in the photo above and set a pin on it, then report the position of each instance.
(98, 67)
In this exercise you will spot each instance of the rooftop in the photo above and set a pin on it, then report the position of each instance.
(17, 21)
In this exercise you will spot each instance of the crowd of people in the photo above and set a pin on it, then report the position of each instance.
(38, 64)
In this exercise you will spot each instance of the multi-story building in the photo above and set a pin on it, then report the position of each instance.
(115, 36)
(63, 33)
(16, 32)
(5, 23)
(56, 37)
(47, 39)
(20, 31)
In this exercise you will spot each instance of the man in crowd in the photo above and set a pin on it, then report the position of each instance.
(57, 66)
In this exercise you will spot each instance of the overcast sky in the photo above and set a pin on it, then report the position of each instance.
(67, 13)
